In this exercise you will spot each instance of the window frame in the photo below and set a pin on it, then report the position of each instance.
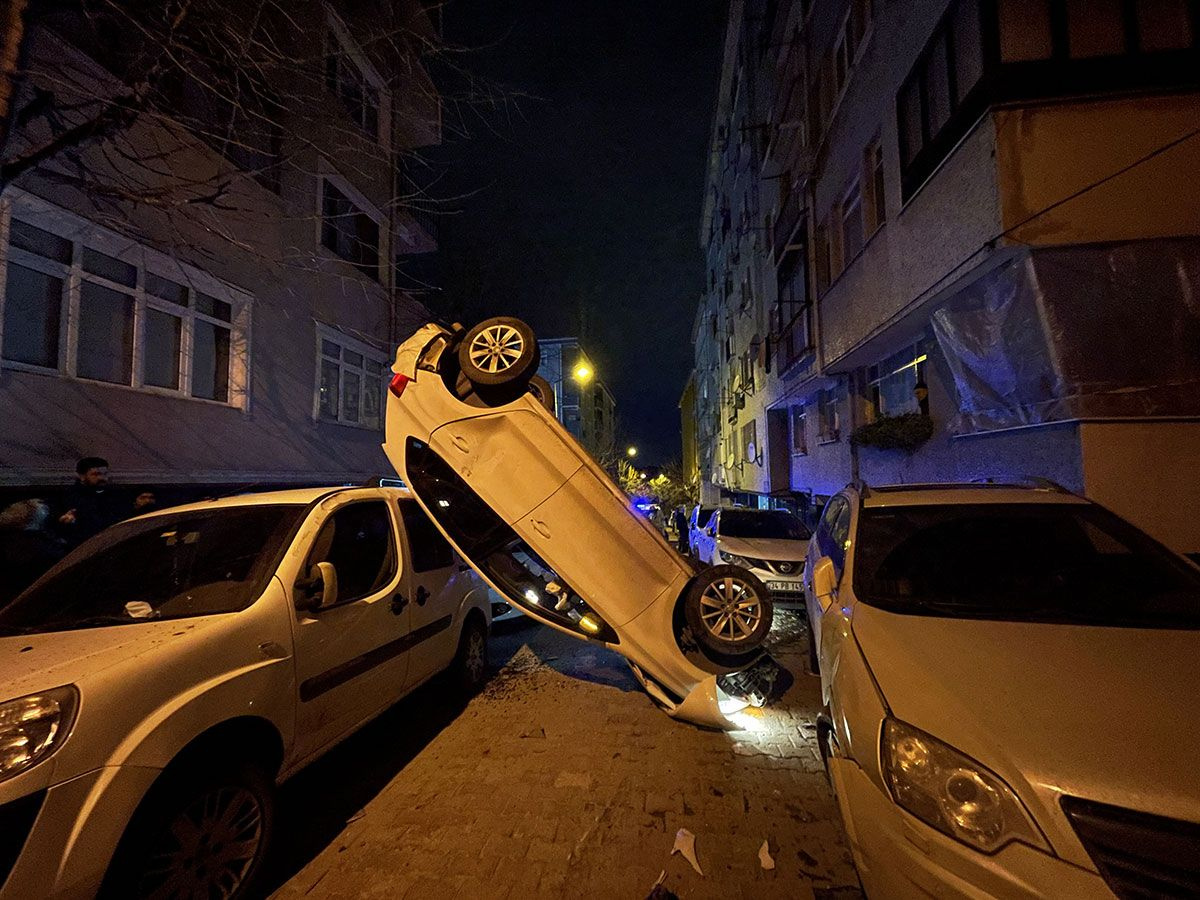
(326, 332)
(851, 198)
(342, 46)
(874, 181)
(919, 353)
(82, 233)
(798, 426)
(364, 207)
(827, 399)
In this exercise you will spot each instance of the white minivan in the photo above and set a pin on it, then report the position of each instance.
(163, 678)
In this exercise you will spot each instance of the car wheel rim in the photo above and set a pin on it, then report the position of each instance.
(731, 609)
(476, 660)
(208, 849)
(496, 349)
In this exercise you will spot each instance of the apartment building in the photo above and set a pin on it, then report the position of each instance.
(208, 292)
(582, 401)
(984, 249)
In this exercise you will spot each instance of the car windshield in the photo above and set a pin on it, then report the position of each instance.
(1037, 561)
(775, 523)
(165, 567)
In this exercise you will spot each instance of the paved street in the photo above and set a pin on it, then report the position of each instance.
(563, 779)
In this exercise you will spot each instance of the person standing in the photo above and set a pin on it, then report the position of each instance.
(90, 506)
(681, 530)
(27, 547)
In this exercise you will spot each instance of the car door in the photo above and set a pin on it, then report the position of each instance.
(436, 584)
(351, 657)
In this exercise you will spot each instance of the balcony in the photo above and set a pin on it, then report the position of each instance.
(792, 339)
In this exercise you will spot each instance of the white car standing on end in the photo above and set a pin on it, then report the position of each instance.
(771, 543)
(468, 429)
(164, 677)
(1009, 677)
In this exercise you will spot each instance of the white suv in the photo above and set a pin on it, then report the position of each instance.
(468, 429)
(771, 543)
(1009, 677)
(159, 681)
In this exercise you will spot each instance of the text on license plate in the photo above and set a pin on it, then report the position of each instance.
(784, 585)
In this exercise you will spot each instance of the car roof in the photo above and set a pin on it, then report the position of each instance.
(934, 494)
(291, 497)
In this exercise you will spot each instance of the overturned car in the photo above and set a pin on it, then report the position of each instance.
(470, 429)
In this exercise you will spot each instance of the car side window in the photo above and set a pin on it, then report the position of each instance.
(825, 526)
(839, 536)
(430, 550)
(359, 540)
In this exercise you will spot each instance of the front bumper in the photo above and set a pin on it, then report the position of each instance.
(74, 834)
(899, 856)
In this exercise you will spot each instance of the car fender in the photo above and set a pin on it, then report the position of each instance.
(856, 708)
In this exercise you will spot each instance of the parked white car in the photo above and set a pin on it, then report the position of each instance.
(771, 543)
(697, 522)
(1010, 679)
(163, 678)
(549, 530)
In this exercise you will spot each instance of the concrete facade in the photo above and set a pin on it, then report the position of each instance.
(582, 402)
(938, 161)
(281, 380)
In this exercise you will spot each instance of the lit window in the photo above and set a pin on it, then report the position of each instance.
(351, 380)
(893, 382)
(150, 324)
(828, 419)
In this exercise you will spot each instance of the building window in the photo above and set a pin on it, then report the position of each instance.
(1033, 31)
(794, 311)
(350, 380)
(348, 230)
(892, 383)
(138, 318)
(828, 420)
(852, 222)
(937, 89)
(824, 258)
(875, 199)
(352, 79)
(799, 422)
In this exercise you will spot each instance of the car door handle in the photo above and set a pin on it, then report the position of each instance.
(540, 527)
(398, 604)
(461, 443)
(422, 595)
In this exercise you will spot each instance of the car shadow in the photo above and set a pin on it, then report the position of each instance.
(314, 806)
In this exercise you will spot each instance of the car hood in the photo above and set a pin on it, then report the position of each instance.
(1103, 713)
(36, 662)
(765, 548)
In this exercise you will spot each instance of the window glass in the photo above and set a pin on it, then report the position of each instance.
(330, 389)
(876, 210)
(912, 135)
(109, 267)
(1095, 28)
(354, 359)
(893, 381)
(1042, 562)
(211, 306)
(768, 524)
(329, 348)
(371, 396)
(968, 48)
(349, 232)
(163, 342)
(210, 361)
(351, 386)
(357, 539)
(799, 438)
(1025, 32)
(32, 311)
(178, 565)
(1164, 25)
(937, 87)
(105, 335)
(852, 223)
(839, 538)
(165, 289)
(430, 550)
(828, 519)
(35, 240)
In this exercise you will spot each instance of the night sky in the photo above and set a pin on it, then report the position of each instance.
(588, 193)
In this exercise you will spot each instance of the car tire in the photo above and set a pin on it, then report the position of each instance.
(215, 805)
(469, 669)
(728, 609)
(499, 352)
(542, 392)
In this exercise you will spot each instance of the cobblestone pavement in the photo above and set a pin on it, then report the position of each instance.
(562, 779)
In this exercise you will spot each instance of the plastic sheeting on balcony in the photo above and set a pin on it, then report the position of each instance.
(1099, 331)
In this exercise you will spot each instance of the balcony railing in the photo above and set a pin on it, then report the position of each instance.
(792, 339)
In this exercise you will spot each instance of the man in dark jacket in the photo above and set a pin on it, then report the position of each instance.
(90, 507)
(27, 548)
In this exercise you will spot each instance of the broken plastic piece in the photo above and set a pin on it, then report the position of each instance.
(139, 609)
(764, 856)
(685, 845)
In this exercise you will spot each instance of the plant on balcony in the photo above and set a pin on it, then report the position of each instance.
(905, 432)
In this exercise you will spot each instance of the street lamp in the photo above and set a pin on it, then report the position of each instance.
(631, 452)
(583, 373)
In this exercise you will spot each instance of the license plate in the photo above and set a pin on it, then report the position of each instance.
(791, 586)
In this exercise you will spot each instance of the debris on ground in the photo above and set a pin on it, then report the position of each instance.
(764, 856)
(685, 845)
(660, 891)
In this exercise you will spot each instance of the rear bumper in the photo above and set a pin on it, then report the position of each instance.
(901, 857)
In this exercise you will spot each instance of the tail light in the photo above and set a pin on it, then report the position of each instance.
(398, 383)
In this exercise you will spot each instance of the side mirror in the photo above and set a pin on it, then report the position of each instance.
(824, 582)
(320, 589)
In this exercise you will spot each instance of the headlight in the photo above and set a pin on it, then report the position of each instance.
(952, 792)
(734, 560)
(31, 728)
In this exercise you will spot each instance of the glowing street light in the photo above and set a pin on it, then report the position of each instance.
(583, 373)
(631, 452)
